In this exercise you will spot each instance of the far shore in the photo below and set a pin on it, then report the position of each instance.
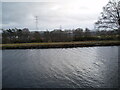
(59, 45)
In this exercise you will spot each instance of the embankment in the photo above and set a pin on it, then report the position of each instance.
(59, 44)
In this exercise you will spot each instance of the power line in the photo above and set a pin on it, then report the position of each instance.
(60, 27)
(36, 21)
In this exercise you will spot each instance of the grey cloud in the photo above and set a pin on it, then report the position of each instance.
(21, 14)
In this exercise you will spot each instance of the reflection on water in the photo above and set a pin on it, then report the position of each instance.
(61, 68)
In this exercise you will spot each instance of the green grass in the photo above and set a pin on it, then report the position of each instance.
(58, 44)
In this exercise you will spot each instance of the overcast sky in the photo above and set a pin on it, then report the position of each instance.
(70, 14)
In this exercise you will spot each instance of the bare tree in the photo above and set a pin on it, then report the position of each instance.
(110, 17)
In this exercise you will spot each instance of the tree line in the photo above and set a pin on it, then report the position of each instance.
(107, 28)
(26, 36)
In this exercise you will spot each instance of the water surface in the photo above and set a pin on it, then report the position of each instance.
(86, 67)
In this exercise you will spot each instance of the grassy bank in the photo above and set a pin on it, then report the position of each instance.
(59, 44)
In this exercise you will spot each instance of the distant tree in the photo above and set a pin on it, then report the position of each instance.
(19, 33)
(5, 36)
(47, 36)
(25, 34)
(37, 36)
(77, 34)
(87, 32)
(57, 35)
(110, 17)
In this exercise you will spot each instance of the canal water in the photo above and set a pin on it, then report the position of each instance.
(88, 67)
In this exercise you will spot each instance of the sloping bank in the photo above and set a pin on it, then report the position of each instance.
(59, 45)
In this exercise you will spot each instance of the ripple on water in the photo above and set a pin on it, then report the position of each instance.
(73, 67)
